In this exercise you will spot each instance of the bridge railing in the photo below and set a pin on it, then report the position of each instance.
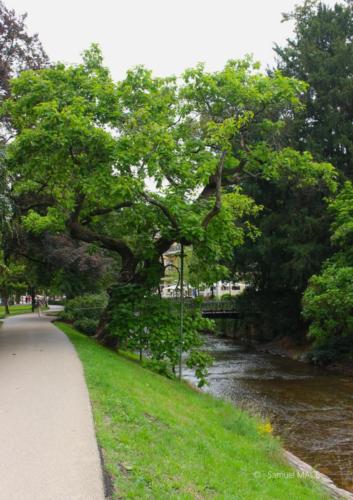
(218, 306)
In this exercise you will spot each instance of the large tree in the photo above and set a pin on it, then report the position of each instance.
(295, 222)
(18, 51)
(135, 166)
(293, 242)
(321, 54)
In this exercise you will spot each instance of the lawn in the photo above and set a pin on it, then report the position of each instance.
(17, 309)
(163, 440)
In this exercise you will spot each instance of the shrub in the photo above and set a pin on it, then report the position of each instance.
(328, 304)
(146, 323)
(86, 325)
(84, 307)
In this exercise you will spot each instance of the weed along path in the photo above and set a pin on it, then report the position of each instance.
(48, 448)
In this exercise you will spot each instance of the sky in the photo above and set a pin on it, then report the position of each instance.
(166, 36)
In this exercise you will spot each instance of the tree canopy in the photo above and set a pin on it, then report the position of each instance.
(321, 54)
(134, 166)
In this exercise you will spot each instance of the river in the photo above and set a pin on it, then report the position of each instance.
(310, 408)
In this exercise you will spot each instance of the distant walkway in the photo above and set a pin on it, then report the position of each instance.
(48, 448)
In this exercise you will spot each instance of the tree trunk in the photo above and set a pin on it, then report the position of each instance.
(5, 301)
(103, 334)
(150, 268)
(33, 298)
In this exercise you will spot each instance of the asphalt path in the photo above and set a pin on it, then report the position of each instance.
(48, 448)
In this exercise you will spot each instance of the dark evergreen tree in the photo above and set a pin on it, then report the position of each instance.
(293, 242)
(295, 222)
(321, 54)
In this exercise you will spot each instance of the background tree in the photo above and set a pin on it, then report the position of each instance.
(294, 223)
(18, 51)
(292, 244)
(11, 281)
(321, 54)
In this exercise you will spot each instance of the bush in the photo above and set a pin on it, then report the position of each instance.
(144, 322)
(328, 305)
(86, 325)
(84, 307)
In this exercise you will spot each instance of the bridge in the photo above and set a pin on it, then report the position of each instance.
(219, 309)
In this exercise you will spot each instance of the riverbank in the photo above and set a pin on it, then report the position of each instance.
(309, 408)
(162, 439)
(287, 348)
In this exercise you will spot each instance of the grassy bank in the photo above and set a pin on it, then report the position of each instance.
(163, 440)
(17, 309)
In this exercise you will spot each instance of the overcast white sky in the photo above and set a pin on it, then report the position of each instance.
(164, 35)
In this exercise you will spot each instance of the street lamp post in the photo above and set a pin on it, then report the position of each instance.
(181, 335)
(181, 283)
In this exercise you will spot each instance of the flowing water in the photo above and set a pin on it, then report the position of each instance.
(310, 408)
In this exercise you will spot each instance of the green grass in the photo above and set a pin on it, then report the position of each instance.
(163, 440)
(14, 310)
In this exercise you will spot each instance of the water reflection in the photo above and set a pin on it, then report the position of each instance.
(310, 408)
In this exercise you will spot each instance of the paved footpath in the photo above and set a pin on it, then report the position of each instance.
(48, 448)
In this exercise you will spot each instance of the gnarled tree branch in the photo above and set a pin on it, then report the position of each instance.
(218, 191)
(106, 211)
(81, 233)
(164, 209)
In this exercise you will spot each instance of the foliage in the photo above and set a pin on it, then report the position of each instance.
(18, 50)
(11, 280)
(199, 361)
(144, 322)
(75, 268)
(11, 277)
(132, 167)
(328, 300)
(342, 225)
(86, 325)
(84, 307)
(92, 148)
(290, 189)
(162, 439)
(321, 54)
(328, 303)
(293, 240)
